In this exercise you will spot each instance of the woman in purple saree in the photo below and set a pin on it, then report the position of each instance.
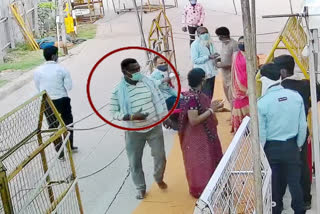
(199, 140)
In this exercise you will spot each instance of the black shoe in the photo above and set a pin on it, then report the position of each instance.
(307, 205)
(162, 185)
(141, 194)
(62, 158)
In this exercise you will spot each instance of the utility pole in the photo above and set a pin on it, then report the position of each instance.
(62, 27)
(254, 131)
(143, 40)
(36, 22)
(313, 70)
(254, 31)
(313, 46)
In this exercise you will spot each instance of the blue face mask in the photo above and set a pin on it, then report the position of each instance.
(162, 67)
(241, 47)
(205, 36)
(136, 77)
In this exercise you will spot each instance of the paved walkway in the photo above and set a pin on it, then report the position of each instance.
(99, 147)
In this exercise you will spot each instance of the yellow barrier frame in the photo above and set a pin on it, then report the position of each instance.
(289, 36)
(5, 179)
(27, 33)
(158, 32)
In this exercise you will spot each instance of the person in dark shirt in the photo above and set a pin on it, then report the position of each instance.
(291, 81)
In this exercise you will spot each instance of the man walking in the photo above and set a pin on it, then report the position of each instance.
(203, 55)
(56, 80)
(193, 17)
(229, 46)
(292, 81)
(283, 128)
(139, 102)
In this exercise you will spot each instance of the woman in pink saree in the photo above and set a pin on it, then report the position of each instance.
(240, 103)
(198, 135)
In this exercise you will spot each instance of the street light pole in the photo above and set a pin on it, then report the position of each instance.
(254, 130)
(143, 40)
(63, 28)
(254, 30)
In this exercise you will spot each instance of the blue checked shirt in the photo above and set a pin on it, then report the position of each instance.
(281, 116)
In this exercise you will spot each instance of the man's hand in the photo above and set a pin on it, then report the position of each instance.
(218, 64)
(140, 116)
(211, 57)
(184, 29)
(167, 79)
(216, 54)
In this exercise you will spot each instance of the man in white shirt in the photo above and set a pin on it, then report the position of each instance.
(203, 55)
(229, 46)
(56, 80)
(193, 17)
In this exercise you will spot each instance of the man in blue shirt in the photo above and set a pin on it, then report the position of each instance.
(283, 129)
(56, 80)
(203, 56)
(162, 79)
(293, 81)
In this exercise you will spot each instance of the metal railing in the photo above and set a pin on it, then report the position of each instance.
(231, 187)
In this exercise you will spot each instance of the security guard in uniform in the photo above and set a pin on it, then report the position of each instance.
(283, 129)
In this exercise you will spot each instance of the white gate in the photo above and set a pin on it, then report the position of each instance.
(231, 187)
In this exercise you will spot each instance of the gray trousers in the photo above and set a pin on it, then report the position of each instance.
(135, 142)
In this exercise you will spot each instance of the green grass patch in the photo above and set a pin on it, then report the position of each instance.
(87, 31)
(22, 58)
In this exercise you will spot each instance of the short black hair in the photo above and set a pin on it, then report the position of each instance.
(195, 77)
(271, 71)
(49, 52)
(241, 37)
(285, 62)
(222, 31)
(126, 62)
(201, 27)
(155, 59)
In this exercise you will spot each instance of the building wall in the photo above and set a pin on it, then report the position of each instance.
(9, 29)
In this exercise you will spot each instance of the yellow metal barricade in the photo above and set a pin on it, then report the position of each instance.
(160, 37)
(32, 179)
(294, 40)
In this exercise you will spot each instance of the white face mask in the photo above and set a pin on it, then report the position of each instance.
(267, 83)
